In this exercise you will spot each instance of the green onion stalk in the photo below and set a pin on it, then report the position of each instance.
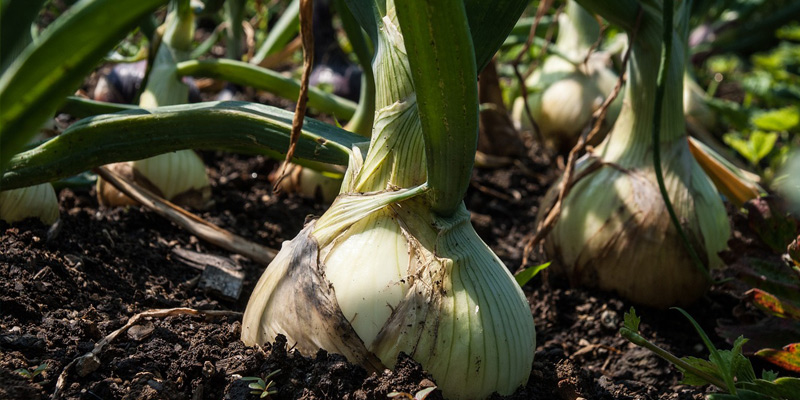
(178, 176)
(36, 201)
(569, 87)
(394, 265)
(695, 106)
(615, 232)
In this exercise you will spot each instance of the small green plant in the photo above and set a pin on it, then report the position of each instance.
(262, 387)
(529, 273)
(32, 373)
(421, 395)
(728, 370)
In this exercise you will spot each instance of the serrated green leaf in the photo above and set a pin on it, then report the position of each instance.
(742, 368)
(740, 365)
(631, 320)
(701, 364)
(769, 375)
(779, 120)
(723, 367)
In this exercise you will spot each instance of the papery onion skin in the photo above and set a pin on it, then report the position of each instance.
(459, 313)
(614, 234)
(37, 201)
(175, 174)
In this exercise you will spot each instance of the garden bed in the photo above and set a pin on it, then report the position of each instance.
(65, 288)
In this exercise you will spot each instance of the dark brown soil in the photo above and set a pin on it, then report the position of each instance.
(63, 289)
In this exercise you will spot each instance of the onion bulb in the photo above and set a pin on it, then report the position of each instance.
(178, 176)
(308, 183)
(614, 232)
(566, 91)
(381, 273)
(37, 201)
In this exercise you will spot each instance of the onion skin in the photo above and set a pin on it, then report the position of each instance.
(179, 177)
(456, 309)
(614, 234)
(37, 201)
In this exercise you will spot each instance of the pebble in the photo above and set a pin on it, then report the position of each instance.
(87, 365)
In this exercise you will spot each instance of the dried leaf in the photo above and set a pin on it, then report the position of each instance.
(771, 304)
(788, 358)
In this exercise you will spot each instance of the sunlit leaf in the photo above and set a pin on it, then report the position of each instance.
(735, 141)
(779, 120)
(762, 143)
(789, 32)
(51, 68)
(757, 83)
(528, 273)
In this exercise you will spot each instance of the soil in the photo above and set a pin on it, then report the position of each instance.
(64, 288)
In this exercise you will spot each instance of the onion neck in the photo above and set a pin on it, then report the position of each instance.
(179, 31)
(577, 32)
(396, 156)
(164, 87)
(630, 141)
